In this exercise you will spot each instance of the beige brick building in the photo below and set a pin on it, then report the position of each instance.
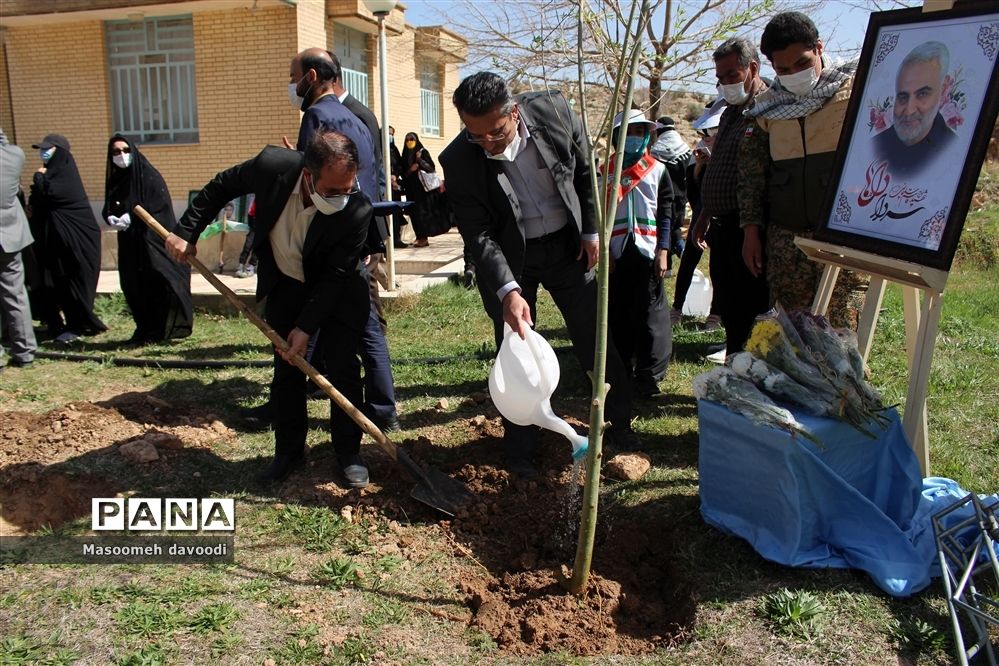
(203, 83)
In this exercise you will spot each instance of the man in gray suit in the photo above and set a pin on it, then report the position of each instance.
(14, 237)
(518, 181)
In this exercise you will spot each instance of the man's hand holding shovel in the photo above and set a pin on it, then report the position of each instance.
(179, 249)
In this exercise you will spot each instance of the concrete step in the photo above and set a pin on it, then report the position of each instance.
(416, 269)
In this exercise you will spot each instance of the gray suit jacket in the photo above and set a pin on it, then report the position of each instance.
(485, 205)
(14, 232)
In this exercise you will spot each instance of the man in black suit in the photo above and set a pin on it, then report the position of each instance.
(321, 70)
(363, 113)
(310, 228)
(519, 183)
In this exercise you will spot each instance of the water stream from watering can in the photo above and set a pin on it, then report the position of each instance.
(567, 525)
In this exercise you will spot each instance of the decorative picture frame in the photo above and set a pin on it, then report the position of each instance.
(924, 102)
(241, 206)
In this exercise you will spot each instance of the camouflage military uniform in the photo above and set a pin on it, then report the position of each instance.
(793, 278)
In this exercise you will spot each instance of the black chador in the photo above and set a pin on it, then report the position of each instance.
(157, 289)
(67, 248)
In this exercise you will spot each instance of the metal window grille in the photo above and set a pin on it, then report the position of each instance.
(151, 72)
(356, 84)
(430, 112)
(430, 98)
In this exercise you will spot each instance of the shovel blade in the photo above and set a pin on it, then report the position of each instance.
(439, 491)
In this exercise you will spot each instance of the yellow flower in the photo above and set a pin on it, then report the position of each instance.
(766, 334)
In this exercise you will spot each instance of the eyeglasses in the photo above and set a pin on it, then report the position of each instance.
(353, 190)
(120, 151)
(494, 136)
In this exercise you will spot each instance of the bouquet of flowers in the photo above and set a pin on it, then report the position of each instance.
(724, 386)
(836, 352)
(769, 341)
(776, 383)
(822, 360)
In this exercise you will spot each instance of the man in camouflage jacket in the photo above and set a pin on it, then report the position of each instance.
(785, 165)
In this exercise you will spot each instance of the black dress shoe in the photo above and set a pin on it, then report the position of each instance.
(355, 471)
(400, 245)
(619, 440)
(257, 418)
(281, 467)
(646, 388)
(391, 424)
(18, 363)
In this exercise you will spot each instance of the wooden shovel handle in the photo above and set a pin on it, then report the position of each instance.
(357, 415)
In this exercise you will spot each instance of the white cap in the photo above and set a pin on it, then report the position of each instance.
(635, 116)
(711, 116)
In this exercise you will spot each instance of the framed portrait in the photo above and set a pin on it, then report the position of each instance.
(234, 211)
(924, 102)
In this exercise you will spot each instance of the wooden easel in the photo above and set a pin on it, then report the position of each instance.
(921, 319)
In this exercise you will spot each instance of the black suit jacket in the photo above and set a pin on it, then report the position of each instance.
(379, 231)
(333, 247)
(485, 206)
(367, 116)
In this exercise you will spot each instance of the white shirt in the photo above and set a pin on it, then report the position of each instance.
(288, 234)
(542, 209)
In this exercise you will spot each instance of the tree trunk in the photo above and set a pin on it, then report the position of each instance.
(591, 490)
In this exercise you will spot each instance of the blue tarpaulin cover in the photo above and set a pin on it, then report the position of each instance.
(856, 503)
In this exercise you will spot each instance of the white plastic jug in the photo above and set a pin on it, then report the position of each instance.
(521, 384)
(698, 301)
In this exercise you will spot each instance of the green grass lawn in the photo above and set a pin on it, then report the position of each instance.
(314, 585)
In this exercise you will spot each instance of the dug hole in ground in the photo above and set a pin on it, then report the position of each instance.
(522, 535)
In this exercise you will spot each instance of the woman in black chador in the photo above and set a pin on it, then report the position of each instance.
(67, 245)
(429, 212)
(157, 289)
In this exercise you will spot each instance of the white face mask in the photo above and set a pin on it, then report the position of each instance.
(122, 161)
(47, 154)
(800, 83)
(510, 152)
(327, 205)
(293, 97)
(734, 93)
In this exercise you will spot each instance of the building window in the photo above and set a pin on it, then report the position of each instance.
(351, 48)
(151, 67)
(431, 94)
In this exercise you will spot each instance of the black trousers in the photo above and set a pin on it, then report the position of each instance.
(639, 317)
(739, 296)
(379, 385)
(551, 262)
(688, 263)
(288, 387)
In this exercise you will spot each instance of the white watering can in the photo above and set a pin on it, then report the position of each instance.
(521, 384)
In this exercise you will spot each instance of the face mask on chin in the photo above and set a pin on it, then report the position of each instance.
(327, 205)
(734, 93)
(799, 83)
(122, 161)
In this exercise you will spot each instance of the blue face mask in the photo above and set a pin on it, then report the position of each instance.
(634, 145)
(47, 154)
